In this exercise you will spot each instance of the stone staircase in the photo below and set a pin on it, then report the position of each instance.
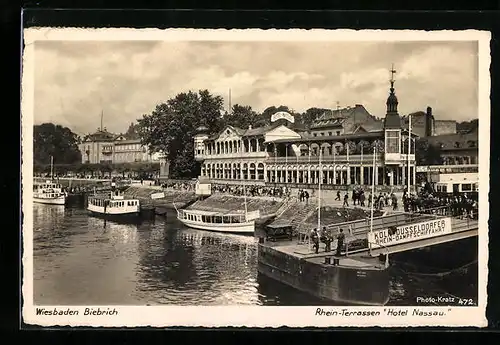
(295, 214)
(230, 203)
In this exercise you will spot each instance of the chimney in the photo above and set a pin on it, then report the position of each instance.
(429, 123)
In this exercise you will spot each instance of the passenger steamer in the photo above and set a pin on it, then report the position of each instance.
(230, 222)
(114, 207)
(50, 192)
(216, 221)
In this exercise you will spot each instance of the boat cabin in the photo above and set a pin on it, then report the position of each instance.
(212, 217)
(119, 203)
(48, 185)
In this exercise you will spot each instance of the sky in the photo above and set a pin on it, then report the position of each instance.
(77, 80)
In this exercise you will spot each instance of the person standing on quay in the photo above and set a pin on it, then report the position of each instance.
(315, 239)
(340, 242)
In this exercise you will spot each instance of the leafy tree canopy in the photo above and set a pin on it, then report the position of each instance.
(467, 126)
(427, 154)
(132, 131)
(171, 126)
(57, 141)
(241, 116)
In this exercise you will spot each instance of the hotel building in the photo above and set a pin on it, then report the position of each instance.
(339, 149)
(105, 147)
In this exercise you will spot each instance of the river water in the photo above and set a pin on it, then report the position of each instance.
(81, 260)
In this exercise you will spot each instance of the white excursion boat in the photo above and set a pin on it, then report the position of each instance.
(114, 207)
(50, 193)
(232, 222)
(216, 221)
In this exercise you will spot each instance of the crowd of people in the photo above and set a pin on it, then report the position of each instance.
(180, 186)
(422, 202)
(327, 238)
(239, 190)
(458, 205)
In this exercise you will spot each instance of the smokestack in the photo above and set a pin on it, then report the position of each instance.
(429, 123)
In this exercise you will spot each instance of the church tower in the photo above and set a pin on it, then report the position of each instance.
(392, 127)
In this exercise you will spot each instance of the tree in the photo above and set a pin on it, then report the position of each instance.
(241, 116)
(467, 126)
(57, 141)
(132, 131)
(171, 126)
(310, 116)
(426, 153)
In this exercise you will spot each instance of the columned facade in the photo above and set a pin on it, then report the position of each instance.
(278, 155)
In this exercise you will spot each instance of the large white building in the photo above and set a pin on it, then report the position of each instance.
(284, 154)
(105, 147)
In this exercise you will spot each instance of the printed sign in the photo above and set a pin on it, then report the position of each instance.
(158, 195)
(203, 188)
(282, 115)
(410, 232)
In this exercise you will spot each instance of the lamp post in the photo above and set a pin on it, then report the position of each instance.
(373, 193)
(409, 151)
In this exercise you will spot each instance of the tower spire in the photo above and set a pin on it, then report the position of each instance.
(392, 119)
(393, 71)
(102, 119)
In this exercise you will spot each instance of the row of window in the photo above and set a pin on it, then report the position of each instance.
(456, 187)
(120, 147)
(322, 134)
(107, 203)
(213, 219)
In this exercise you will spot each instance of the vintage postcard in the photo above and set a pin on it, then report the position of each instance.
(256, 178)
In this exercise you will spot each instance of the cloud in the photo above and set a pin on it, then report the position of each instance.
(75, 81)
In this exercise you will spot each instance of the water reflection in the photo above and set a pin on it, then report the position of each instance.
(179, 265)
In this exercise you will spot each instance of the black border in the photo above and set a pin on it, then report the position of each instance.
(266, 19)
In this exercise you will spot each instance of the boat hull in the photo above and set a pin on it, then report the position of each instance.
(345, 285)
(50, 201)
(235, 228)
(119, 218)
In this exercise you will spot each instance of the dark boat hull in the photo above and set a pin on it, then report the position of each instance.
(340, 284)
(119, 218)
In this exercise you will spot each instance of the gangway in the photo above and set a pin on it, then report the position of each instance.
(455, 228)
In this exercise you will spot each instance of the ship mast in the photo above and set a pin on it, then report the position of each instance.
(51, 168)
